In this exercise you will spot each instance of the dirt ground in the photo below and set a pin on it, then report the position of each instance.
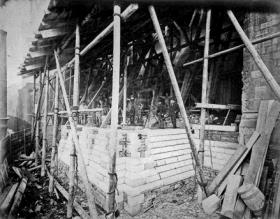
(178, 202)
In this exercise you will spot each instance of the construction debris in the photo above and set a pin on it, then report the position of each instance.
(238, 198)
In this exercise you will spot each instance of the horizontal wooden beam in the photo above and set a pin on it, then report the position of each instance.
(218, 106)
(46, 25)
(39, 54)
(262, 5)
(51, 33)
(40, 48)
(223, 128)
(226, 51)
(44, 42)
(131, 9)
(33, 67)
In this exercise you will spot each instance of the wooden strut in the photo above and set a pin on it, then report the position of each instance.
(85, 179)
(96, 94)
(34, 107)
(226, 51)
(38, 114)
(45, 123)
(54, 159)
(73, 156)
(37, 124)
(130, 10)
(204, 89)
(259, 62)
(178, 95)
(110, 200)
(125, 90)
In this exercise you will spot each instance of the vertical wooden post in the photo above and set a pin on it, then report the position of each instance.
(125, 90)
(37, 121)
(76, 93)
(3, 92)
(259, 62)
(204, 88)
(34, 106)
(84, 175)
(76, 87)
(24, 141)
(45, 123)
(54, 141)
(177, 94)
(114, 114)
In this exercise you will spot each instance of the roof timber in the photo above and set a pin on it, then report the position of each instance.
(38, 48)
(39, 53)
(56, 24)
(34, 66)
(57, 32)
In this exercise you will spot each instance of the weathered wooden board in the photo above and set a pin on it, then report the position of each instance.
(226, 170)
(259, 150)
(9, 199)
(18, 197)
(237, 164)
(231, 196)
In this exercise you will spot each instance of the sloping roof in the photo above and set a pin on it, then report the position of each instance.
(57, 28)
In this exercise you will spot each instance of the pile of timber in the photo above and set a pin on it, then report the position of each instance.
(241, 188)
(25, 169)
(11, 196)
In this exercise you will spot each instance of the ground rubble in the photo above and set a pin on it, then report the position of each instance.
(177, 202)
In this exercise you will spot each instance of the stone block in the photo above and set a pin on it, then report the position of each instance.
(149, 165)
(132, 210)
(135, 200)
(135, 182)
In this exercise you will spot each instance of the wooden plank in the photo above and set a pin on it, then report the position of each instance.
(4, 194)
(38, 54)
(224, 128)
(227, 169)
(34, 66)
(262, 116)
(18, 197)
(77, 207)
(231, 196)
(232, 164)
(218, 106)
(57, 32)
(259, 151)
(256, 157)
(9, 198)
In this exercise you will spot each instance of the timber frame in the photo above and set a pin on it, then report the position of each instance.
(69, 49)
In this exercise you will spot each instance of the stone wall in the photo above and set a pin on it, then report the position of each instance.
(255, 88)
(146, 160)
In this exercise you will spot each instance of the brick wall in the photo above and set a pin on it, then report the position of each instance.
(255, 88)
